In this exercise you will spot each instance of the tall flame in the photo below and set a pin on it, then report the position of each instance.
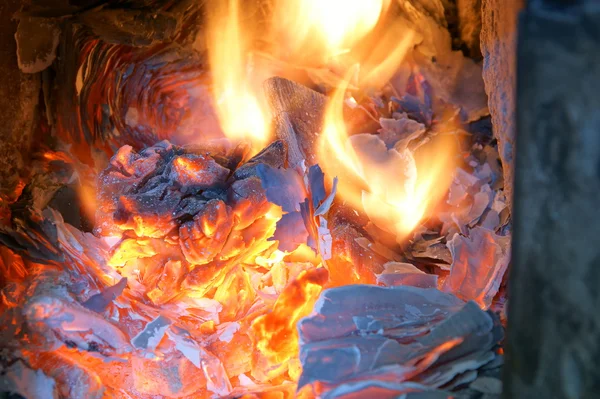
(241, 108)
(334, 34)
(338, 34)
(347, 34)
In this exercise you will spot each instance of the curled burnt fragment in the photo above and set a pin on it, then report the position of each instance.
(479, 262)
(300, 192)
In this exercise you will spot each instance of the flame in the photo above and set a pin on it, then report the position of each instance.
(339, 34)
(334, 34)
(241, 109)
(396, 189)
(312, 28)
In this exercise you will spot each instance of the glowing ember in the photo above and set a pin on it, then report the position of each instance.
(276, 334)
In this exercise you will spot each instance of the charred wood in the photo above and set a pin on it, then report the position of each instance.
(298, 117)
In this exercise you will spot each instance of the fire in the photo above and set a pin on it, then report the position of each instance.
(323, 28)
(241, 109)
(334, 35)
(396, 189)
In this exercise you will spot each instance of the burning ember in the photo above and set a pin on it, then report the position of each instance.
(344, 236)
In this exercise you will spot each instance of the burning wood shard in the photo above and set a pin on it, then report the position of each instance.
(298, 117)
(479, 264)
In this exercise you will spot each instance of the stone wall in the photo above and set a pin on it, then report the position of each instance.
(18, 105)
(498, 46)
(553, 342)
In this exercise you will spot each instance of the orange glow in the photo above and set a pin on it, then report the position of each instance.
(380, 58)
(131, 249)
(189, 167)
(87, 195)
(275, 333)
(242, 111)
(396, 189)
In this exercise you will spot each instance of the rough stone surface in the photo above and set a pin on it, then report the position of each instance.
(18, 103)
(498, 46)
(553, 345)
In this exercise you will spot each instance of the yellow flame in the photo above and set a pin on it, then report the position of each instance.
(339, 34)
(396, 188)
(380, 60)
(310, 28)
(241, 108)
(333, 34)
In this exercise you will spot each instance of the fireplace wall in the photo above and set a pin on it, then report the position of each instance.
(18, 106)
(498, 45)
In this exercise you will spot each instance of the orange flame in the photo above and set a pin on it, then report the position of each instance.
(86, 189)
(304, 33)
(241, 109)
(339, 34)
(396, 189)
